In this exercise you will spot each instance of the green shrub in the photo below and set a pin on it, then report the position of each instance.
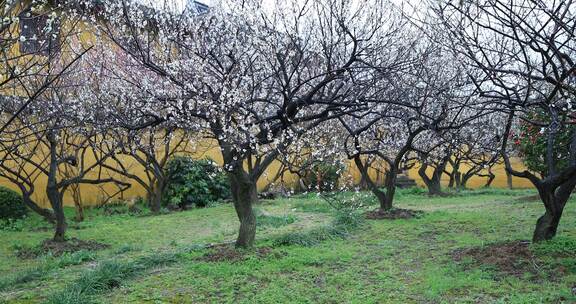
(323, 176)
(75, 258)
(11, 205)
(194, 182)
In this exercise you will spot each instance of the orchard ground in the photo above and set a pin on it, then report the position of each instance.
(465, 248)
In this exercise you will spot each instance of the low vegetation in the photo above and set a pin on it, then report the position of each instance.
(462, 248)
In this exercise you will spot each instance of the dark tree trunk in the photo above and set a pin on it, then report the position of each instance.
(55, 199)
(509, 180)
(380, 195)
(244, 195)
(155, 196)
(53, 193)
(364, 183)
(78, 208)
(390, 183)
(464, 178)
(432, 184)
(554, 200)
(508, 174)
(491, 177)
(79, 212)
(451, 181)
(457, 180)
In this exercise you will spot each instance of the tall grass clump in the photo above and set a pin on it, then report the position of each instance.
(107, 276)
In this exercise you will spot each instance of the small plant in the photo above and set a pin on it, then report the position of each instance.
(23, 276)
(194, 183)
(11, 205)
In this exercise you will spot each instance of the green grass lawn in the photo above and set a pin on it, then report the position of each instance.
(161, 259)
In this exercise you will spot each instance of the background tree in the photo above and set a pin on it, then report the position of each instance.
(423, 95)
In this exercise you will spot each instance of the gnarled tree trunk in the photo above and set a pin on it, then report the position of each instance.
(77, 198)
(491, 177)
(244, 195)
(554, 200)
(55, 198)
(508, 174)
(390, 184)
(155, 196)
(432, 183)
(363, 169)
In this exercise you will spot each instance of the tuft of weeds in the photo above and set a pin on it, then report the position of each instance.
(24, 276)
(47, 264)
(107, 276)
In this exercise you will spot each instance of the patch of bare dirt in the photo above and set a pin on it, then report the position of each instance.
(59, 248)
(223, 253)
(392, 214)
(512, 258)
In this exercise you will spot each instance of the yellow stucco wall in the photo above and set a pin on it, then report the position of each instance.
(93, 195)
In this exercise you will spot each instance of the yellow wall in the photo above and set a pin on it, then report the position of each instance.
(93, 195)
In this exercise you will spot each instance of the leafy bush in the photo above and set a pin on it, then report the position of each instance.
(323, 176)
(11, 205)
(194, 182)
